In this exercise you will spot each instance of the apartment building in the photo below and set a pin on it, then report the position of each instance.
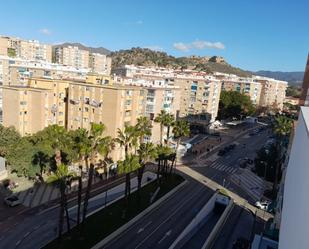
(158, 96)
(199, 92)
(272, 92)
(73, 104)
(100, 63)
(243, 85)
(25, 49)
(71, 56)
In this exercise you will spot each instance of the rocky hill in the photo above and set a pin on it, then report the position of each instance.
(147, 57)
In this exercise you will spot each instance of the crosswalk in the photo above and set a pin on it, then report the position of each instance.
(221, 166)
(249, 182)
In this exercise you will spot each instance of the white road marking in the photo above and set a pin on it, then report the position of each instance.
(168, 233)
(143, 228)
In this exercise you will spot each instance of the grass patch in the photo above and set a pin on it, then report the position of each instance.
(101, 224)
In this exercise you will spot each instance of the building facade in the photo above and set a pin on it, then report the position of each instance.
(100, 63)
(25, 49)
(71, 56)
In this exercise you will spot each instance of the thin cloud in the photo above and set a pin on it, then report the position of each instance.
(200, 45)
(45, 31)
(155, 48)
(182, 47)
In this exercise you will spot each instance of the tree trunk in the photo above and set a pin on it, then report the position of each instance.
(67, 213)
(87, 195)
(158, 171)
(161, 134)
(168, 134)
(140, 173)
(79, 199)
(61, 213)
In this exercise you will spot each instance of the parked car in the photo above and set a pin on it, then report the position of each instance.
(264, 205)
(12, 201)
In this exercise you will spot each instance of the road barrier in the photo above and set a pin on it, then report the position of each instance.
(216, 230)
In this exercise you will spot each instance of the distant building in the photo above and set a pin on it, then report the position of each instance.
(292, 100)
(25, 49)
(294, 225)
(71, 56)
(272, 92)
(100, 63)
(304, 97)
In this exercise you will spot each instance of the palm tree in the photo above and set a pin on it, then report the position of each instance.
(143, 128)
(181, 129)
(93, 146)
(161, 118)
(163, 154)
(282, 128)
(146, 152)
(129, 164)
(127, 139)
(168, 122)
(41, 159)
(107, 145)
(62, 176)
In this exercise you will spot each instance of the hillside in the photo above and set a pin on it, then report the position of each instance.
(294, 78)
(147, 57)
(99, 50)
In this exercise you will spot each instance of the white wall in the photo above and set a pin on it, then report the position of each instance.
(294, 229)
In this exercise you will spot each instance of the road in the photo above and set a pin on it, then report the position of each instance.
(221, 169)
(161, 227)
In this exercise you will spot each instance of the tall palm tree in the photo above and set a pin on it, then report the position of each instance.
(163, 153)
(282, 128)
(129, 164)
(62, 175)
(161, 118)
(168, 122)
(143, 128)
(94, 143)
(106, 146)
(127, 139)
(181, 129)
(146, 152)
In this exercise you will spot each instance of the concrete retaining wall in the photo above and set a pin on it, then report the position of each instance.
(215, 231)
(198, 221)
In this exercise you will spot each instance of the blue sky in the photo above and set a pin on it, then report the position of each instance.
(251, 34)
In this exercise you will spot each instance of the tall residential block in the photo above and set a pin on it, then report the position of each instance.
(25, 49)
(304, 98)
(100, 63)
(71, 56)
(272, 92)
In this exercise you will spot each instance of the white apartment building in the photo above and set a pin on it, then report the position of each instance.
(100, 63)
(71, 56)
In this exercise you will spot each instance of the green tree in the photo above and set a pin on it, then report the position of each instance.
(61, 176)
(161, 118)
(143, 128)
(234, 105)
(9, 138)
(94, 143)
(41, 159)
(146, 153)
(180, 129)
(282, 128)
(163, 154)
(127, 139)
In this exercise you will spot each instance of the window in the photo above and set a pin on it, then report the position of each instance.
(23, 102)
(194, 86)
(128, 113)
(129, 93)
(128, 102)
(86, 109)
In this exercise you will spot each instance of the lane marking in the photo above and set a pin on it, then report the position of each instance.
(143, 228)
(168, 233)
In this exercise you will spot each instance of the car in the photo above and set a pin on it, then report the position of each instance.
(12, 201)
(264, 205)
